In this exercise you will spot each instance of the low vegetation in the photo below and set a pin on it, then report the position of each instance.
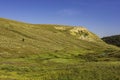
(114, 40)
(56, 71)
(54, 52)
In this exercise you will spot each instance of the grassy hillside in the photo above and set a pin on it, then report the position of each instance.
(57, 41)
(54, 52)
(114, 40)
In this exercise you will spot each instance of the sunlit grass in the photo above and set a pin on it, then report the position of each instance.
(42, 52)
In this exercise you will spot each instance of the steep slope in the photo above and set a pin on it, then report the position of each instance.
(114, 40)
(21, 40)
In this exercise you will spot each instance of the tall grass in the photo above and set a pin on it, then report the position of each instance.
(55, 71)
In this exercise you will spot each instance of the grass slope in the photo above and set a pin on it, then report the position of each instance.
(39, 51)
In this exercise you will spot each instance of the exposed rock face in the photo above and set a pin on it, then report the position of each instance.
(80, 32)
(77, 30)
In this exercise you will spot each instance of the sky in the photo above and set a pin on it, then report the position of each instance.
(101, 17)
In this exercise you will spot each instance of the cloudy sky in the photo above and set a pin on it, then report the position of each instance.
(99, 16)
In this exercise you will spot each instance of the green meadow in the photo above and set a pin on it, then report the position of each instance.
(55, 52)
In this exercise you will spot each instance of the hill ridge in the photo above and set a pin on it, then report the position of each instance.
(56, 41)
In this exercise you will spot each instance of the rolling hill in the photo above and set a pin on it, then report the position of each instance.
(43, 49)
(114, 40)
(40, 39)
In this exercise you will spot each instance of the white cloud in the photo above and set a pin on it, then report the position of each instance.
(68, 12)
